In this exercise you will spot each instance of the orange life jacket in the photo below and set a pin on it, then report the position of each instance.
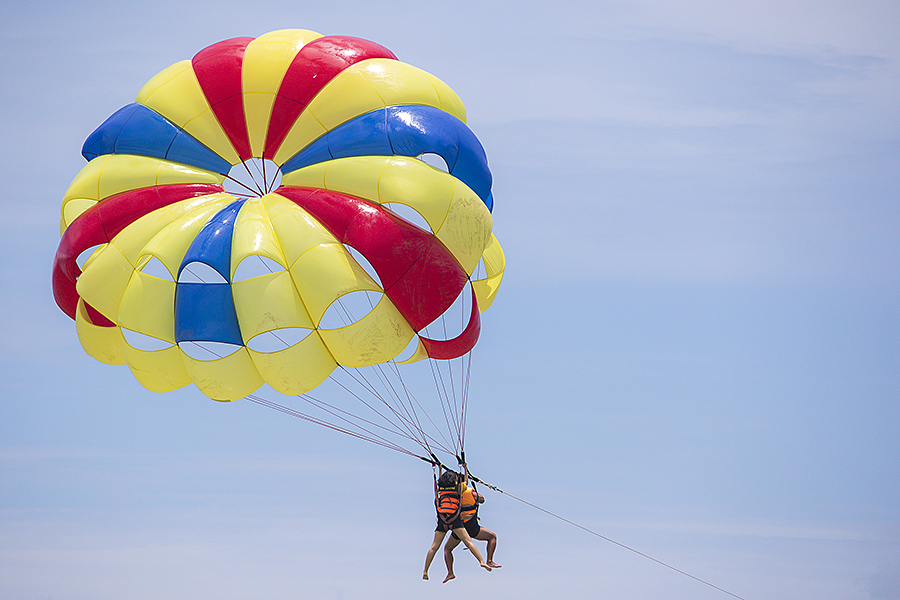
(447, 502)
(468, 505)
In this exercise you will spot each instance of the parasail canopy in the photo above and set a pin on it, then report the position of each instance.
(227, 215)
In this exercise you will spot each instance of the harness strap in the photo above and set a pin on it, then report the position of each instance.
(447, 503)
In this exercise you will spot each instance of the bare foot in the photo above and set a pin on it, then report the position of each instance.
(486, 566)
(493, 565)
(425, 576)
(449, 577)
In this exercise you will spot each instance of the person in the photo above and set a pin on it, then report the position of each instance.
(448, 494)
(469, 501)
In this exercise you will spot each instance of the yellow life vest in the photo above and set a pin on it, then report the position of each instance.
(468, 505)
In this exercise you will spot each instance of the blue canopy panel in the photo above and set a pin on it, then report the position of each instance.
(136, 129)
(205, 311)
(408, 130)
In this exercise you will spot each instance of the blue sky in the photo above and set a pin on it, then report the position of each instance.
(695, 352)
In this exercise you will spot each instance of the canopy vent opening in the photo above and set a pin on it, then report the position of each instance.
(253, 178)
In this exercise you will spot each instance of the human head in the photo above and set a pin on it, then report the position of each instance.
(448, 479)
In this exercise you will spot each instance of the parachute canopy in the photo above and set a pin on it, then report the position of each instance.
(248, 192)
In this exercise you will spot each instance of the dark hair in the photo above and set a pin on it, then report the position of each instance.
(448, 479)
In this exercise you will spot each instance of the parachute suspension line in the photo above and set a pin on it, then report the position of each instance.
(411, 430)
(346, 416)
(270, 185)
(453, 405)
(364, 383)
(464, 364)
(452, 388)
(375, 439)
(456, 412)
(451, 415)
(447, 395)
(478, 272)
(405, 414)
(396, 397)
(409, 408)
(410, 419)
(446, 445)
(441, 388)
(414, 420)
(260, 180)
(252, 178)
(193, 274)
(333, 410)
(265, 181)
(412, 399)
(465, 398)
(250, 191)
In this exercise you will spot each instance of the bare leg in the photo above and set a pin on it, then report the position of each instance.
(486, 535)
(451, 544)
(435, 546)
(462, 534)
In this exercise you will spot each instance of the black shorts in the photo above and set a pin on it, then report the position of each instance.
(442, 526)
(472, 527)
